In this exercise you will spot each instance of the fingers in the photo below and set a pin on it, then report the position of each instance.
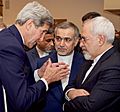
(49, 63)
(77, 92)
(55, 64)
(60, 64)
(55, 71)
(85, 92)
(64, 72)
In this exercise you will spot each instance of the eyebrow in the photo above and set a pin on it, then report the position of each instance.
(64, 37)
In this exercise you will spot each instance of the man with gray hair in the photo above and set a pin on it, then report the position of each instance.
(97, 88)
(66, 38)
(16, 74)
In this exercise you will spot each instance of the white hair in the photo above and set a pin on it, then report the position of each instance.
(103, 26)
(35, 11)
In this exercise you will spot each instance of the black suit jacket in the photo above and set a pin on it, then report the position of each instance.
(55, 97)
(15, 73)
(33, 57)
(103, 84)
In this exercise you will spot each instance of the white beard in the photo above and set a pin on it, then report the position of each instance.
(87, 55)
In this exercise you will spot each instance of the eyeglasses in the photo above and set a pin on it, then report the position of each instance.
(84, 38)
(65, 39)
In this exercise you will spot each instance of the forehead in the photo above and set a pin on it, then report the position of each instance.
(48, 36)
(65, 32)
(45, 27)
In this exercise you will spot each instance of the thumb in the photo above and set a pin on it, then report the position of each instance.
(49, 62)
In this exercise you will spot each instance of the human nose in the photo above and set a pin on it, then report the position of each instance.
(51, 43)
(81, 43)
(62, 43)
(42, 36)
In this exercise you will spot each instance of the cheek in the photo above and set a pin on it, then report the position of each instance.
(70, 46)
(56, 44)
(91, 48)
(38, 34)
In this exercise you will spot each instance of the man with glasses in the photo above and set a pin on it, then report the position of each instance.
(97, 87)
(66, 38)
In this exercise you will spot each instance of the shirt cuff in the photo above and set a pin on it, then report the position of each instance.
(36, 77)
(46, 84)
(66, 94)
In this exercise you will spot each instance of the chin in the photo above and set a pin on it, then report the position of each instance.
(87, 56)
(62, 54)
(48, 51)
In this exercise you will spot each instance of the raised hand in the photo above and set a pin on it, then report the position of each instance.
(54, 71)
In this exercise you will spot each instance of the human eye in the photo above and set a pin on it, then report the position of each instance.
(84, 38)
(45, 31)
(67, 39)
(58, 38)
(49, 40)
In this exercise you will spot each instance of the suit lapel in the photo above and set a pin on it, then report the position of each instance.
(98, 64)
(57, 86)
(86, 65)
(53, 57)
(16, 33)
(76, 63)
(27, 67)
(33, 56)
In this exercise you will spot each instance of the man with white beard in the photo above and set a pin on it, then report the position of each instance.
(97, 88)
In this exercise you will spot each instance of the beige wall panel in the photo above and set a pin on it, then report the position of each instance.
(72, 10)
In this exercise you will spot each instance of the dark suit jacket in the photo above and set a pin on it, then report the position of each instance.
(116, 43)
(16, 75)
(33, 56)
(103, 84)
(55, 97)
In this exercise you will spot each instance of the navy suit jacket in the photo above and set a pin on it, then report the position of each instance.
(33, 57)
(55, 97)
(103, 84)
(15, 73)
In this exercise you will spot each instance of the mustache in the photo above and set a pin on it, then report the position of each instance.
(60, 47)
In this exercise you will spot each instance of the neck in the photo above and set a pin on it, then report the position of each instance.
(40, 51)
(104, 49)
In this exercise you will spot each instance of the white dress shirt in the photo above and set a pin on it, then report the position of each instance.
(4, 95)
(68, 60)
(37, 78)
(88, 72)
(41, 53)
(93, 64)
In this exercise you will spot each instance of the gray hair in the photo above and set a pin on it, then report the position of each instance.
(103, 26)
(35, 11)
(66, 25)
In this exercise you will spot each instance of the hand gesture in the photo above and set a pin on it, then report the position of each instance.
(55, 71)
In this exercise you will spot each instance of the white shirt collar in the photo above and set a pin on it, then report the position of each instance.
(21, 36)
(41, 53)
(99, 56)
(66, 59)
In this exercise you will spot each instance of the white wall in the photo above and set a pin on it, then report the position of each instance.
(72, 10)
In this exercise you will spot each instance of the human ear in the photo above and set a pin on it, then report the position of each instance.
(29, 24)
(101, 39)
